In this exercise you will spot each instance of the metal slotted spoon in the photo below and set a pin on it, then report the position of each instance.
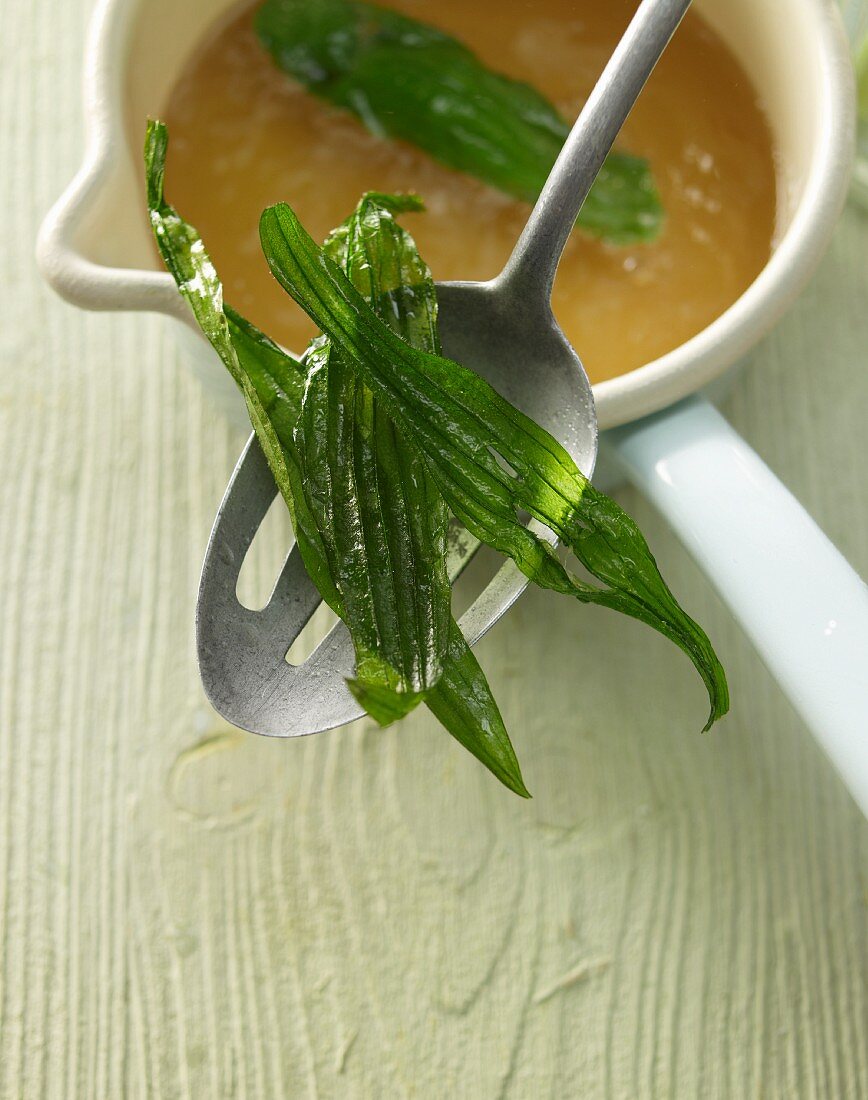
(505, 331)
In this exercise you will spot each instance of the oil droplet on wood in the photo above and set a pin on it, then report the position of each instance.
(220, 780)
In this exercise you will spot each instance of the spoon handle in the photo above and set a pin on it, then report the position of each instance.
(535, 259)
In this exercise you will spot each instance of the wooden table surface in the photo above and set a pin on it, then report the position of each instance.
(188, 911)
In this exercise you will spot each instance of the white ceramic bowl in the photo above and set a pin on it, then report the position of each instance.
(800, 603)
(793, 51)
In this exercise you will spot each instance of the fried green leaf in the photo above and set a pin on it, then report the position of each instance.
(490, 461)
(464, 704)
(271, 381)
(276, 387)
(383, 520)
(336, 549)
(381, 260)
(408, 80)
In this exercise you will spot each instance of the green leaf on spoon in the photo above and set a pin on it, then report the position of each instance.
(277, 387)
(490, 461)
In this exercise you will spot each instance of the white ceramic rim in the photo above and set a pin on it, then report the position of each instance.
(647, 389)
(700, 360)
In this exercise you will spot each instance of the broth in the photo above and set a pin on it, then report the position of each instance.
(244, 135)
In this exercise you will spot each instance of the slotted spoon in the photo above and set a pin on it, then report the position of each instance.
(505, 331)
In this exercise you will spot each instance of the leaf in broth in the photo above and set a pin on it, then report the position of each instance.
(409, 80)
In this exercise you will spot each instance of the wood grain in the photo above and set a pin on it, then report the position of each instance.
(191, 912)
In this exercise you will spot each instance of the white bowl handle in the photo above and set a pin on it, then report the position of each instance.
(803, 607)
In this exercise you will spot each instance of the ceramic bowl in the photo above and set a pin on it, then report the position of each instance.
(793, 51)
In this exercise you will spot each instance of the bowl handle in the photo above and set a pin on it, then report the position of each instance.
(800, 603)
(62, 259)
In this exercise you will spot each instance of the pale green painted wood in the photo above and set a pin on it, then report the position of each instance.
(191, 912)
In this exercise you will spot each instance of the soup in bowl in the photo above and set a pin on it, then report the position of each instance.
(245, 135)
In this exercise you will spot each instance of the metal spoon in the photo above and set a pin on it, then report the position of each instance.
(504, 330)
